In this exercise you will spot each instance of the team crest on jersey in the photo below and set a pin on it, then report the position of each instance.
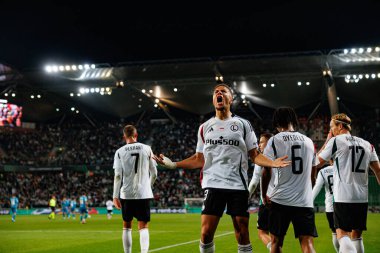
(210, 130)
(234, 127)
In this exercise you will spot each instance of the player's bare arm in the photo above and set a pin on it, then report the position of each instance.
(375, 167)
(264, 161)
(265, 178)
(193, 162)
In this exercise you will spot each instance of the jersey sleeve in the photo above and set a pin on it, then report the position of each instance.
(250, 138)
(201, 139)
(270, 150)
(152, 167)
(373, 156)
(117, 163)
(329, 150)
(318, 185)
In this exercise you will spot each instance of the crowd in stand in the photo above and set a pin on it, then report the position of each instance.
(84, 144)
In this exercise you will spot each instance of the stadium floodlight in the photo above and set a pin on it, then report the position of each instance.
(32, 96)
(87, 90)
(337, 98)
(373, 76)
(264, 85)
(54, 68)
(139, 106)
(61, 68)
(299, 83)
(150, 91)
(101, 89)
(366, 76)
(360, 76)
(156, 105)
(38, 96)
(157, 101)
(93, 66)
(175, 89)
(353, 50)
(272, 85)
(6, 94)
(108, 89)
(48, 69)
(242, 96)
(92, 90)
(77, 111)
(97, 90)
(307, 83)
(80, 67)
(78, 94)
(74, 67)
(67, 68)
(13, 94)
(86, 66)
(361, 50)
(143, 90)
(72, 108)
(71, 94)
(57, 109)
(345, 51)
(369, 50)
(81, 90)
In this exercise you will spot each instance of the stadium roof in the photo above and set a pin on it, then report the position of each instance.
(281, 44)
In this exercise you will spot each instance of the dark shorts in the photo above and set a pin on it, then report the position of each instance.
(52, 208)
(263, 218)
(350, 216)
(302, 219)
(330, 219)
(109, 211)
(138, 208)
(216, 200)
(82, 210)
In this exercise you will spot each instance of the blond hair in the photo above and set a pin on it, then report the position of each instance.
(342, 118)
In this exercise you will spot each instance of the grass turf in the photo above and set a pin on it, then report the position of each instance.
(168, 233)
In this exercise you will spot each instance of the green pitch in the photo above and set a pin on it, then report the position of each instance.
(168, 233)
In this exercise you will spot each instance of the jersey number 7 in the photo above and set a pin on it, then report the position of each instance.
(136, 161)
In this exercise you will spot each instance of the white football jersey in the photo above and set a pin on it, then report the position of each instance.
(325, 178)
(134, 162)
(352, 156)
(291, 185)
(256, 176)
(225, 145)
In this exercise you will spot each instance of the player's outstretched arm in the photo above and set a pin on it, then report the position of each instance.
(255, 180)
(193, 162)
(264, 161)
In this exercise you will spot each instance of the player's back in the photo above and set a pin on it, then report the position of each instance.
(83, 201)
(328, 181)
(14, 202)
(352, 158)
(135, 161)
(291, 185)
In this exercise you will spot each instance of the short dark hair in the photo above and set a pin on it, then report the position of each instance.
(129, 131)
(283, 116)
(266, 135)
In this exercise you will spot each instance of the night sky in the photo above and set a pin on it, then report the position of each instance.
(32, 34)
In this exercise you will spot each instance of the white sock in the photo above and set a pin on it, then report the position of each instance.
(335, 242)
(358, 244)
(269, 245)
(244, 248)
(127, 240)
(346, 246)
(144, 240)
(206, 248)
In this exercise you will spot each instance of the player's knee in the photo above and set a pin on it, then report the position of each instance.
(206, 236)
